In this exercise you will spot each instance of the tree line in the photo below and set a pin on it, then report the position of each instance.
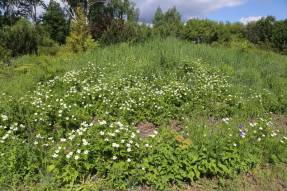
(34, 27)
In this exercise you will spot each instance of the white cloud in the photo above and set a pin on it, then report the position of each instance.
(246, 20)
(188, 8)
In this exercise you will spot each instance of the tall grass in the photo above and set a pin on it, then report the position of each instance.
(247, 69)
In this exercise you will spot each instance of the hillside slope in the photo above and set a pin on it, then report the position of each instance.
(160, 114)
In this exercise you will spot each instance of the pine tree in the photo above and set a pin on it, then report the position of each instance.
(158, 17)
(55, 23)
(80, 38)
(168, 23)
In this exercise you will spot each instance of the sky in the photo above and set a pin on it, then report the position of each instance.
(220, 10)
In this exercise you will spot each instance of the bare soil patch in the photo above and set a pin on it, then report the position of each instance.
(146, 129)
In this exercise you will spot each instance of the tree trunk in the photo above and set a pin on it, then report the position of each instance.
(35, 12)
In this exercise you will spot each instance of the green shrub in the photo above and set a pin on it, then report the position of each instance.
(279, 36)
(5, 54)
(22, 38)
(48, 46)
(121, 31)
(200, 31)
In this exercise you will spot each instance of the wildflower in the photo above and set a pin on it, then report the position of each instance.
(269, 123)
(78, 151)
(273, 134)
(242, 133)
(234, 144)
(122, 141)
(102, 133)
(253, 124)
(225, 120)
(86, 152)
(119, 124)
(129, 160)
(146, 145)
(69, 155)
(259, 139)
(5, 136)
(128, 145)
(85, 142)
(76, 157)
(129, 150)
(55, 155)
(103, 122)
(112, 134)
(36, 143)
(114, 157)
(4, 117)
(63, 140)
(117, 131)
(115, 145)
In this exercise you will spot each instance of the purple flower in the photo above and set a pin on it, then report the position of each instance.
(242, 133)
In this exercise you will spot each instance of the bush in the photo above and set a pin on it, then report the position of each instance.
(5, 54)
(22, 38)
(241, 44)
(260, 31)
(200, 31)
(121, 31)
(48, 46)
(279, 36)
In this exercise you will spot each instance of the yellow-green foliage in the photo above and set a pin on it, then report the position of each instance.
(80, 38)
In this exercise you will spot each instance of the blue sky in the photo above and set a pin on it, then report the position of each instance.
(220, 10)
(251, 8)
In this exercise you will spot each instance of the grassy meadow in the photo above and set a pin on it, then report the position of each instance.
(161, 115)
